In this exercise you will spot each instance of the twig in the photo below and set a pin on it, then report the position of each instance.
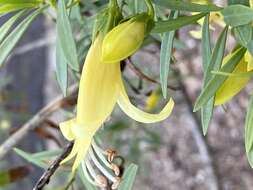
(138, 72)
(37, 119)
(201, 142)
(45, 178)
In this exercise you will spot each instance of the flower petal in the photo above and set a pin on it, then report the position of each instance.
(66, 129)
(98, 88)
(136, 113)
(72, 154)
(79, 150)
(232, 85)
(83, 146)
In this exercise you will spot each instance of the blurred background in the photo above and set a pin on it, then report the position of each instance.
(171, 155)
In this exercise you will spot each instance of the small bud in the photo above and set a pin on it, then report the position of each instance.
(123, 40)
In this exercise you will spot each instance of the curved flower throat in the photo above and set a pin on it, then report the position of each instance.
(101, 87)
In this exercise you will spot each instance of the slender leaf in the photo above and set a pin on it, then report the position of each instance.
(66, 38)
(169, 25)
(7, 8)
(187, 6)
(165, 56)
(19, 1)
(213, 63)
(250, 46)
(249, 126)
(242, 2)
(206, 44)
(214, 84)
(207, 109)
(30, 158)
(5, 28)
(128, 177)
(10, 41)
(61, 68)
(236, 15)
(44, 155)
(243, 34)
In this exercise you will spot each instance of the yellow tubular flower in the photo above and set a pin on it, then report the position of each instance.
(101, 86)
(232, 85)
(123, 40)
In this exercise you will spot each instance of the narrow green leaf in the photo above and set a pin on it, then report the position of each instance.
(165, 56)
(249, 126)
(5, 28)
(7, 8)
(128, 177)
(66, 38)
(242, 2)
(214, 62)
(30, 158)
(243, 34)
(61, 68)
(187, 6)
(169, 25)
(216, 58)
(206, 44)
(207, 109)
(214, 84)
(44, 155)
(19, 1)
(236, 15)
(10, 41)
(250, 46)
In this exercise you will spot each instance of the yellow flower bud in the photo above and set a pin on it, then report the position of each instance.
(123, 40)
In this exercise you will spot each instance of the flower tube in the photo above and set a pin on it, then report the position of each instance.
(101, 87)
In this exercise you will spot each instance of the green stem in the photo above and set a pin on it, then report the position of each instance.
(151, 10)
